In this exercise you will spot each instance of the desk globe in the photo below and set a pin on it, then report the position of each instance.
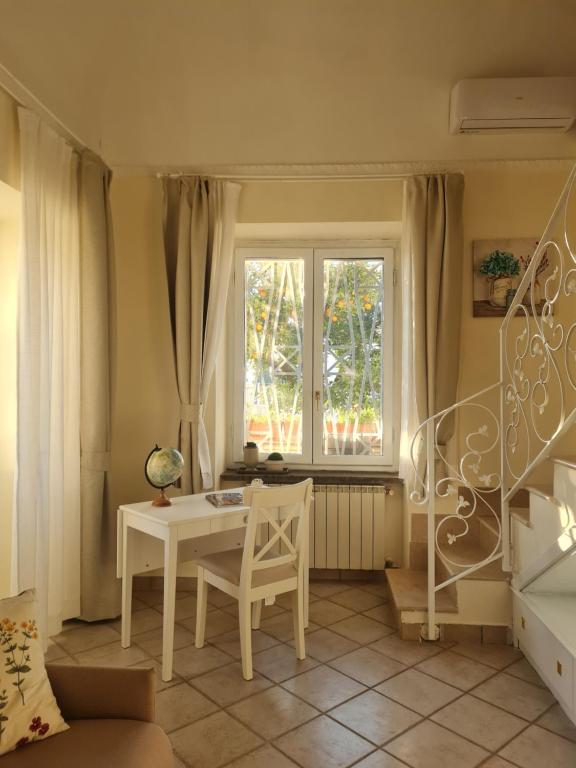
(163, 467)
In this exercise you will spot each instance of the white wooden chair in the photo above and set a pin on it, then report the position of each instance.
(256, 572)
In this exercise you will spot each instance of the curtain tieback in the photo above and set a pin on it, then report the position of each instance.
(96, 461)
(190, 412)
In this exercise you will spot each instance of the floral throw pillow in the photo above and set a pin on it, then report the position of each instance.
(28, 709)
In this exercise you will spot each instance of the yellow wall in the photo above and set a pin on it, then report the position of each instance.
(144, 409)
(498, 203)
(312, 201)
(506, 202)
(9, 245)
(144, 391)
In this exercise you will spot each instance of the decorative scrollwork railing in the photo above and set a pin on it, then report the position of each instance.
(538, 349)
(511, 426)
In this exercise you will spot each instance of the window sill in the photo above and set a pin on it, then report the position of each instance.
(238, 473)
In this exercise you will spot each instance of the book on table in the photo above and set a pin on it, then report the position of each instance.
(225, 499)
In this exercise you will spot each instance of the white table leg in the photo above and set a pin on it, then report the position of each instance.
(170, 567)
(126, 588)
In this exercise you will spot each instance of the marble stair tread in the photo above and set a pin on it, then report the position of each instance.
(466, 552)
(409, 590)
(521, 514)
(566, 461)
(488, 500)
(544, 490)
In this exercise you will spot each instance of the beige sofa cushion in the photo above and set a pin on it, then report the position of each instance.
(28, 709)
(98, 744)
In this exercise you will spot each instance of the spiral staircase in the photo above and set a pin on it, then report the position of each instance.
(493, 532)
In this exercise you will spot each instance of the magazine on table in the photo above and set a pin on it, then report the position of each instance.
(225, 499)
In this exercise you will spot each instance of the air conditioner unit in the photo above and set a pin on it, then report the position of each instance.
(513, 105)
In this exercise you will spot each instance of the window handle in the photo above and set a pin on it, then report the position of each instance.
(317, 398)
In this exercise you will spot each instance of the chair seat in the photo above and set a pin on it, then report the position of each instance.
(97, 744)
(227, 565)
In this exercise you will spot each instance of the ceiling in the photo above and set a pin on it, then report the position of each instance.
(163, 84)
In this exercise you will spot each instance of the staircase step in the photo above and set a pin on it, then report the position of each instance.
(488, 500)
(566, 461)
(522, 515)
(466, 552)
(558, 613)
(409, 590)
(545, 491)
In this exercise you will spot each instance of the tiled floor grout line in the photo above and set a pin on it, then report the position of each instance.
(327, 713)
(328, 665)
(529, 724)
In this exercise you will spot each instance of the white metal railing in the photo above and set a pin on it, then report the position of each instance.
(512, 425)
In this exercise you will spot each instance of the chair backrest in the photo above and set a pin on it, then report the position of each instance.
(283, 509)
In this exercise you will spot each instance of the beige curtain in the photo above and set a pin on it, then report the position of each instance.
(100, 597)
(199, 219)
(435, 252)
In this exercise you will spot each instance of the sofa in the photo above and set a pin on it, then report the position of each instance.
(110, 712)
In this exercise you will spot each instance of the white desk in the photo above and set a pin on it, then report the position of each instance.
(155, 537)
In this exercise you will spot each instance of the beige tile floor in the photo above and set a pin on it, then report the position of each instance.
(362, 698)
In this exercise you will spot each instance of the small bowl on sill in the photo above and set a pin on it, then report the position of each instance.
(275, 465)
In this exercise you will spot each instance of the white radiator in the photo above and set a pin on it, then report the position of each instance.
(349, 528)
(352, 527)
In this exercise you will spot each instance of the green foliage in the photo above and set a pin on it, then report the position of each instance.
(3, 705)
(500, 264)
(275, 456)
(352, 337)
(9, 646)
(353, 334)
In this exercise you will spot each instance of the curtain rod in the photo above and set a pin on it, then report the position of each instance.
(246, 177)
(394, 171)
(24, 97)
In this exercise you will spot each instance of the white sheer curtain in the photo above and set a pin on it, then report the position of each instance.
(224, 202)
(48, 486)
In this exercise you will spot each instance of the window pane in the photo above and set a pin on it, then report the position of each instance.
(352, 357)
(274, 322)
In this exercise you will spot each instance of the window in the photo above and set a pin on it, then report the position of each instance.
(314, 336)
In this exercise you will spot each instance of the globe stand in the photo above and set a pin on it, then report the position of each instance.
(162, 500)
(162, 468)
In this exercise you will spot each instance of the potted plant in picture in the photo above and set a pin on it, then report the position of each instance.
(533, 291)
(499, 267)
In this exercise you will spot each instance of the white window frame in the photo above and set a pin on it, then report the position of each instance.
(388, 390)
(242, 254)
(313, 254)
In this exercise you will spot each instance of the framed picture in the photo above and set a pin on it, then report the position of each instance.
(499, 266)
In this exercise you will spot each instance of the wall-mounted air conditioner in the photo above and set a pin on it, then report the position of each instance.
(513, 104)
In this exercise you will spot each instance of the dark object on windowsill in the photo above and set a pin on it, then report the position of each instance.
(325, 475)
(260, 467)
